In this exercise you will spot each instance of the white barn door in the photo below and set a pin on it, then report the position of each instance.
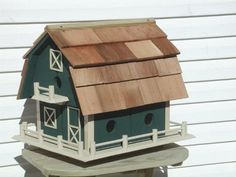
(73, 124)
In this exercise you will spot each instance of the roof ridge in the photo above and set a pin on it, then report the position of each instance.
(99, 23)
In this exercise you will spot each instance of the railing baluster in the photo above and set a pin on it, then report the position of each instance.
(125, 141)
(36, 89)
(51, 92)
(23, 128)
(93, 148)
(184, 128)
(40, 136)
(80, 148)
(59, 142)
(154, 136)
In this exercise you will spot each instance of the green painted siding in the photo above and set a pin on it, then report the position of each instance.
(129, 122)
(122, 126)
(27, 89)
(46, 77)
(60, 120)
(39, 71)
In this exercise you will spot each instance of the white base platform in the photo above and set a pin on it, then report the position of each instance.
(51, 164)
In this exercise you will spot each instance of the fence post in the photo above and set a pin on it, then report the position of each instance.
(59, 141)
(80, 148)
(51, 92)
(125, 141)
(40, 136)
(36, 89)
(154, 136)
(93, 148)
(23, 127)
(184, 128)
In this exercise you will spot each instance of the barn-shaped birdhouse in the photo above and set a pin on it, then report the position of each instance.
(102, 89)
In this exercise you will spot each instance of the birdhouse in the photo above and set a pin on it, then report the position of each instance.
(101, 89)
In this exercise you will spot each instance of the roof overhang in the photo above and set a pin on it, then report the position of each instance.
(36, 42)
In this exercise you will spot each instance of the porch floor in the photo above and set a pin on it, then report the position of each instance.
(85, 156)
(97, 151)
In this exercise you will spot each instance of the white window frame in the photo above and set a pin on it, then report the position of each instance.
(53, 114)
(55, 59)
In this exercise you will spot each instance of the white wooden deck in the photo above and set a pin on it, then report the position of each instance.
(31, 136)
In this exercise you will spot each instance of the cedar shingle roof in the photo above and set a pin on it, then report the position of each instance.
(122, 95)
(124, 72)
(118, 42)
(119, 64)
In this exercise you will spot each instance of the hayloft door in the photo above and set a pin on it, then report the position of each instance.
(73, 122)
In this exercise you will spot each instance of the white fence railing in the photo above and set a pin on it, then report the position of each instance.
(124, 143)
(47, 94)
(43, 90)
(42, 138)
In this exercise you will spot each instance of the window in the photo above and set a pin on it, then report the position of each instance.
(50, 117)
(55, 60)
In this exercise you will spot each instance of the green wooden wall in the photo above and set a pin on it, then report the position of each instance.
(39, 71)
(129, 122)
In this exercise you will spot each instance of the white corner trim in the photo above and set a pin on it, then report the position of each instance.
(167, 115)
(88, 131)
(38, 115)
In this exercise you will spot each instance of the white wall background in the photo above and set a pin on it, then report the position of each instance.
(203, 30)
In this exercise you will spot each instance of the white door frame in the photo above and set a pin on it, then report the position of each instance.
(73, 126)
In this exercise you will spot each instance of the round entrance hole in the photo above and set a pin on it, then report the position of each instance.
(148, 119)
(110, 125)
